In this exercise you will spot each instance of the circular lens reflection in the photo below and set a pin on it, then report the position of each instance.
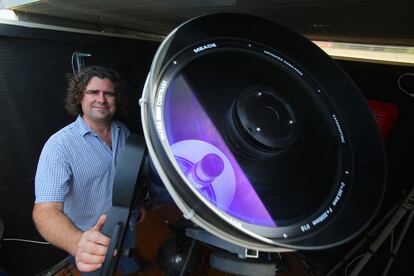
(280, 155)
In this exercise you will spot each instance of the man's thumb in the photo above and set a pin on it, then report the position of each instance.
(100, 223)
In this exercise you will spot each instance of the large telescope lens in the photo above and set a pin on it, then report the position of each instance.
(259, 137)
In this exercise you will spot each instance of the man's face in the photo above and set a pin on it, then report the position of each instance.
(99, 101)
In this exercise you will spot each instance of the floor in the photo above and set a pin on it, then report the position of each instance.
(154, 232)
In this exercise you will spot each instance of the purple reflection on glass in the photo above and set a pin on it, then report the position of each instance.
(209, 167)
(206, 160)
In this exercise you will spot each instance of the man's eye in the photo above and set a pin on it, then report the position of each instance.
(109, 94)
(91, 92)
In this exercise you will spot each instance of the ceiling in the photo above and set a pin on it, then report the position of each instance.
(382, 22)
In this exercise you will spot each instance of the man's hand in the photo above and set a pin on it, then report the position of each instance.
(92, 248)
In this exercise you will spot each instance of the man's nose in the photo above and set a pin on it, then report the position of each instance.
(101, 97)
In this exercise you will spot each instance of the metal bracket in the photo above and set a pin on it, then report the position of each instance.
(206, 237)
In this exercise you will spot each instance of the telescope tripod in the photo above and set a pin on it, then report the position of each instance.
(402, 210)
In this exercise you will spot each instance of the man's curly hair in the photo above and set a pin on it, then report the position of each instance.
(77, 84)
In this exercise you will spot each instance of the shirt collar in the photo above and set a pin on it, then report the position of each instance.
(82, 126)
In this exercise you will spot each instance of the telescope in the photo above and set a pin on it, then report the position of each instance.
(259, 138)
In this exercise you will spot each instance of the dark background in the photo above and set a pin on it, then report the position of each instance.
(33, 65)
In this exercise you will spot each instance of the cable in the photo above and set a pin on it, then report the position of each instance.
(366, 238)
(396, 247)
(79, 61)
(71, 60)
(64, 267)
(351, 262)
(187, 258)
(399, 84)
(24, 240)
(308, 269)
(407, 205)
(305, 264)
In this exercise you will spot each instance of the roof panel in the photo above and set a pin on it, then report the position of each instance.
(386, 22)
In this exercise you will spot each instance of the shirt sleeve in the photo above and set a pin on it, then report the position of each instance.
(53, 174)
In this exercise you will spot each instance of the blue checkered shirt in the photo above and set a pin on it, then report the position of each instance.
(77, 167)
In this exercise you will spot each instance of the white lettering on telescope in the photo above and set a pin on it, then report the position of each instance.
(293, 67)
(158, 110)
(339, 194)
(341, 134)
(161, 93)
(204, 47)
(158, 113)
(322, 217)
(326, 214)
(305, 227)
(273, 55)
(158, 126)
(285, 62)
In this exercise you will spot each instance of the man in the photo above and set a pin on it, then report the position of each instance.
(76, 169)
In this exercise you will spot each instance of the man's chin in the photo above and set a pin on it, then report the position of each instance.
(103, 117)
